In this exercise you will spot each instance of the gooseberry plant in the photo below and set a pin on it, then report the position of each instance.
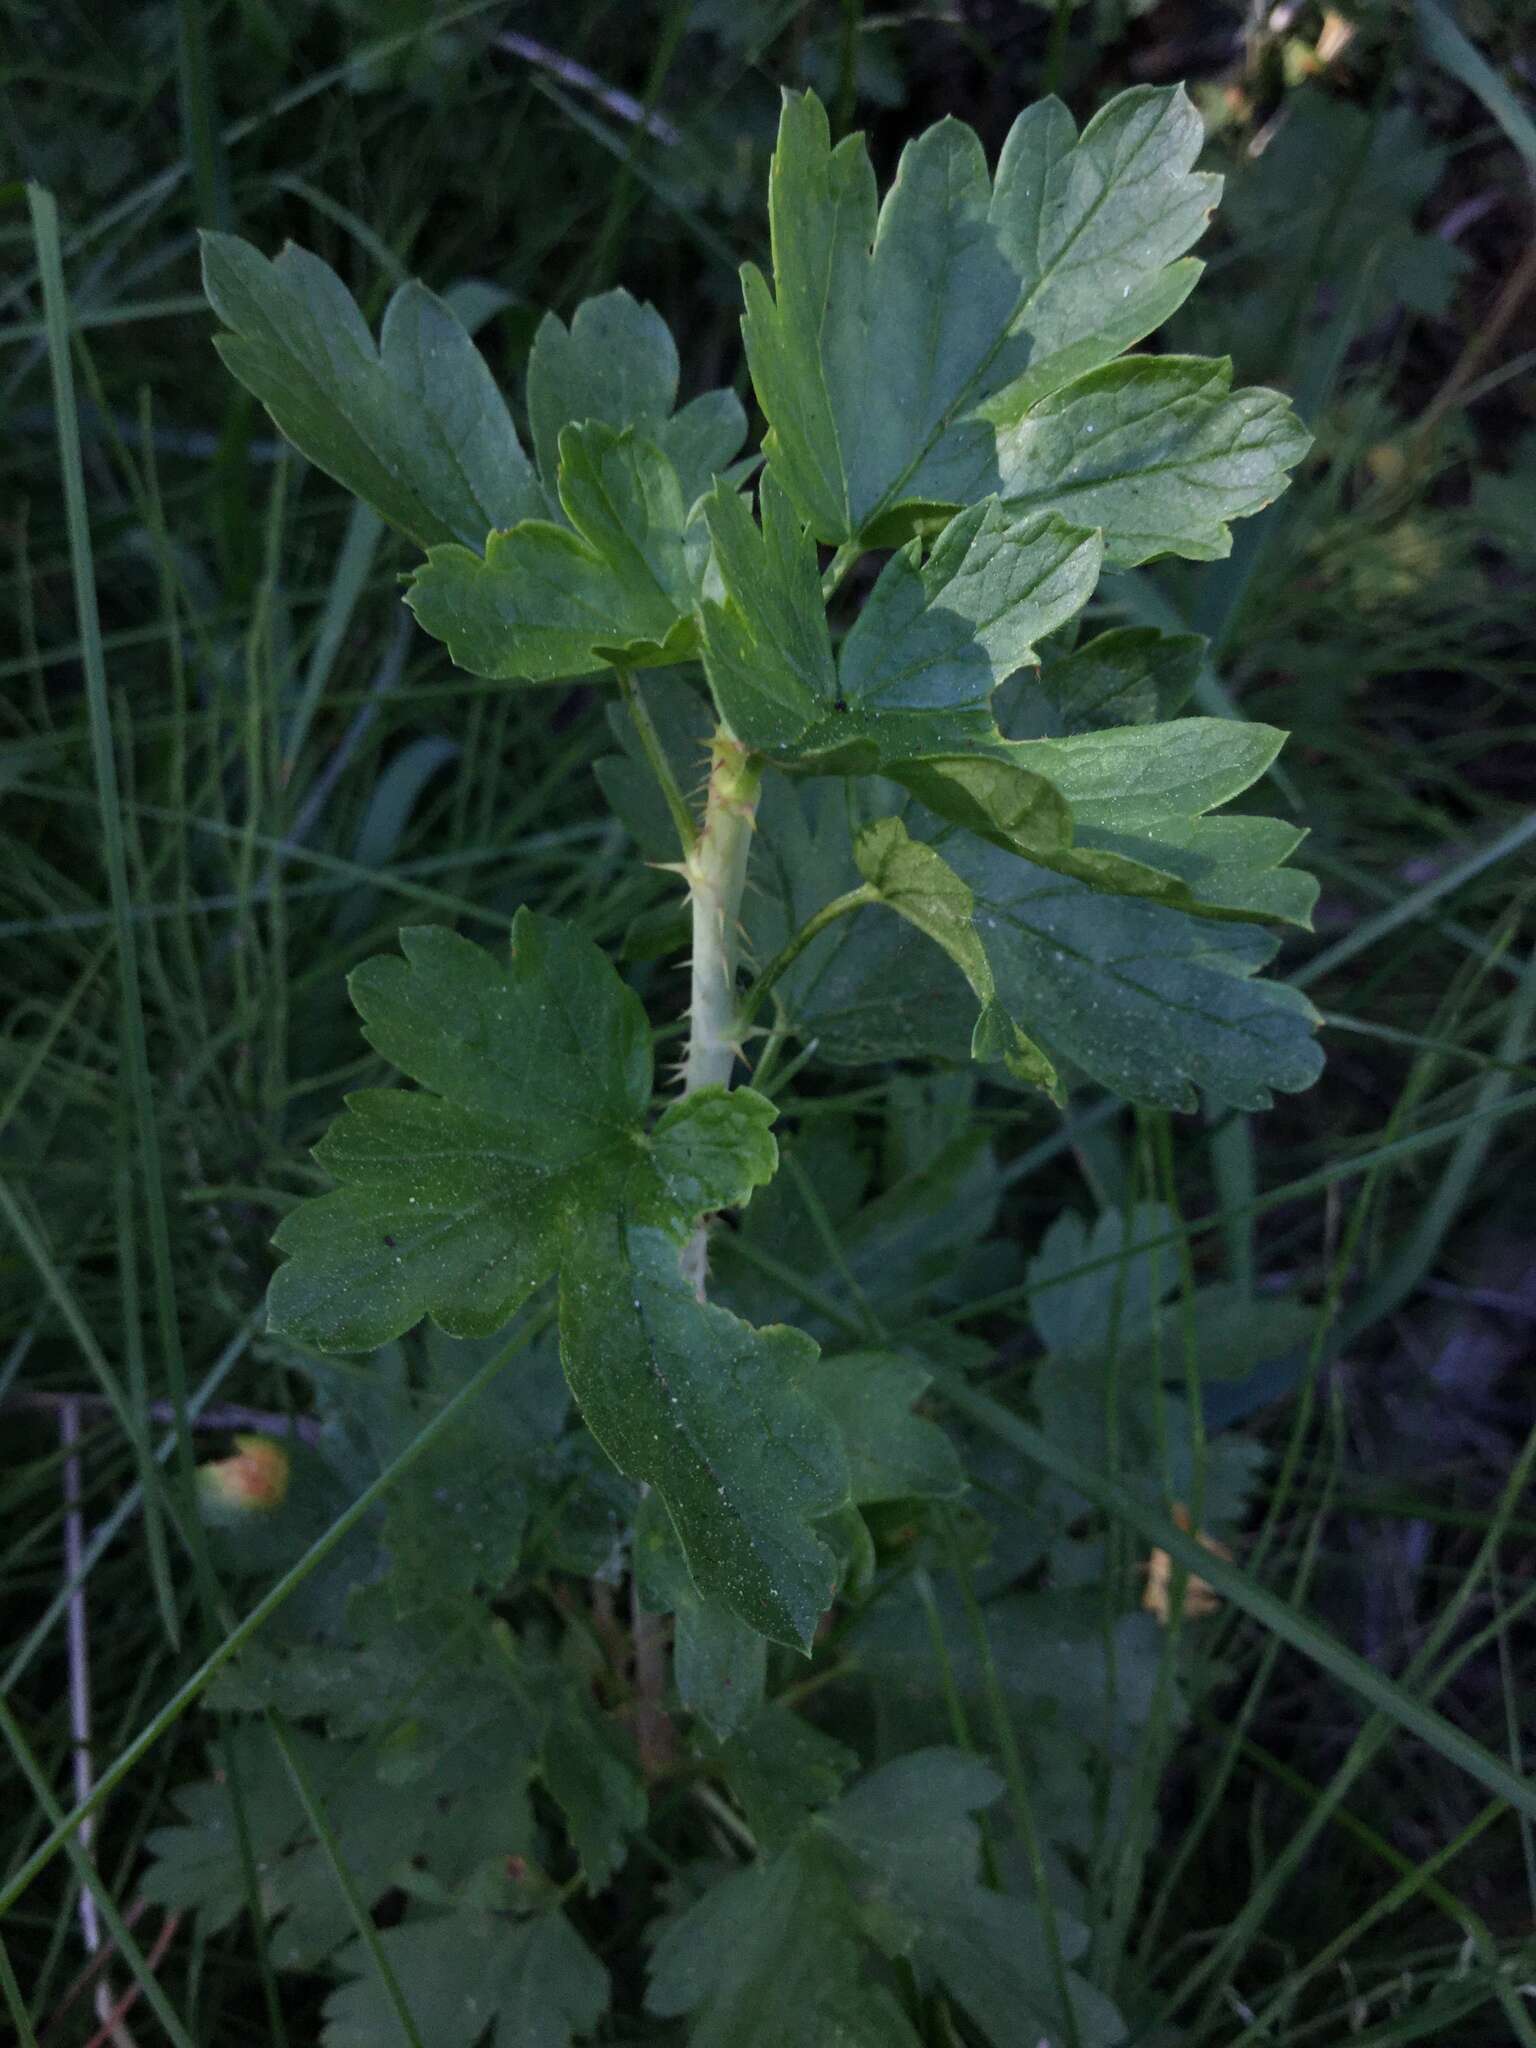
(916, 814)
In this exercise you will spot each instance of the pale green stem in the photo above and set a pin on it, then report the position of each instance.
(716, 867)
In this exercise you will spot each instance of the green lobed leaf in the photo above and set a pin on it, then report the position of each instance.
(912, 1823)
(1125, 810)
(598, 1791)
(195, 1859)
(708, 1410)
(1147, 1001)
(524, 1153)
(886, 334)
(1088, 1282)
(917, 671)
(1157, 452)
(922, 887)
(892, 1453)
(414, 424)
(771, 1954)
(546, 601)
(993, 1957)
(470, 1809)
(617, 363)
(1079, 1694)
(451, 1201)
(783, 1769)
(1151, 1437)
(719, 1665)
(1131, 675)
(461, 1973)
(418, 1684)
(890, 1869)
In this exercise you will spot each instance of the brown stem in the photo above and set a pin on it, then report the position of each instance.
(655, 1736)
(112, 2028)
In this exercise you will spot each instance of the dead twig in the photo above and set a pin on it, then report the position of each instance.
(77, 1646)
(111, 2028)
(79, 1985)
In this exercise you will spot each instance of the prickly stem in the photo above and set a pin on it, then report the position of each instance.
(717, 876)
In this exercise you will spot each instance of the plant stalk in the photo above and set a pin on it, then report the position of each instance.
(717, 876)
(716, 868)
(656, 755)
(714, 864)
(811, 930)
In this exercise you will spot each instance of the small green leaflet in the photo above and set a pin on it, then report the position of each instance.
(1157, 452)
(892, 1453)
(1131, 675)
(1090, 1286)
(920, 886)
(901, 345)
(547, 601)
(524, 1152)
(1125, 809)
(917, 671)
(719, 1665)
(1147, 1001)
(414, 425)
(771, 1954)
(782, 1768)
(535, 1980)
(597, 1789)
(617, 363)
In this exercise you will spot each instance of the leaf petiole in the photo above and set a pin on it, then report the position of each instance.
(838, 567)
(656, 757)
(789, 953)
